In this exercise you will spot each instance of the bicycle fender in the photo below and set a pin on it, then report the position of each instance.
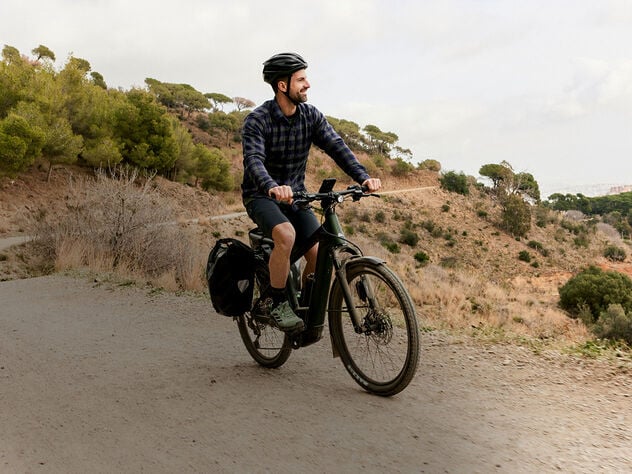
(362, 259)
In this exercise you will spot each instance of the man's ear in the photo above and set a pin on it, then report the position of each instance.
(282, 86)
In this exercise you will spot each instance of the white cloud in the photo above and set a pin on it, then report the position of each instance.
(545, 84)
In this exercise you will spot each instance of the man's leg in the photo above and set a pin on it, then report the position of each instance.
(310, 266)
(283, 236)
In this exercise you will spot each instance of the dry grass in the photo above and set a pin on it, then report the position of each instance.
(117, 223)
(462, 301)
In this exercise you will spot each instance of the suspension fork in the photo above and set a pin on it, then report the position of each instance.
(341, 277)
(363, 286)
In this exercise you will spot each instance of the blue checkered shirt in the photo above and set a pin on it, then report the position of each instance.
(276, 148)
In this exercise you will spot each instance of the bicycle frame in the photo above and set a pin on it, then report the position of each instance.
(331, 243)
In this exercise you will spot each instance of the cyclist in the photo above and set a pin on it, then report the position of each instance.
(277, 137)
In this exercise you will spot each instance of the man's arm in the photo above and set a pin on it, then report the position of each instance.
(326, 138)
(253, 142)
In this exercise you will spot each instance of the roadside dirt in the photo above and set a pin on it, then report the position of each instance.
(96, 377)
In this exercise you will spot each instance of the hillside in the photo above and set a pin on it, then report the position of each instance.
(473, 279)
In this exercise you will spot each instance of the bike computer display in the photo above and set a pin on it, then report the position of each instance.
(327, 185)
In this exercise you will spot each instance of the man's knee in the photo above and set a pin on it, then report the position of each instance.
(284, 235)
(312, 253)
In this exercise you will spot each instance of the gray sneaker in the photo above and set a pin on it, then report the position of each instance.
(285, 318)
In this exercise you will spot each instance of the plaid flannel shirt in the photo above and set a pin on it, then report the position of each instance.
(276, 148)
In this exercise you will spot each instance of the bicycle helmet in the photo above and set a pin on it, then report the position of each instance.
(282, 65)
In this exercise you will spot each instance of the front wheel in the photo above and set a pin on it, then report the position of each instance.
(382, 353)
(266, 344)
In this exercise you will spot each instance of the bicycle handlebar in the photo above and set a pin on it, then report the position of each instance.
(356, 191)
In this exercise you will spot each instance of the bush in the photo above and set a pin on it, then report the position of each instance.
(120, 224)
(388, 243)
(455, 183)
(614, 253)
(380, 217)
(430, 165)
(615, 324)
(401, 167)
(524, 256)
(594, 290)
(516, 216)
(535, 245)
(422, 258)
(408, 237)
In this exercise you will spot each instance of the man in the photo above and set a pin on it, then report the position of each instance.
(277, 137)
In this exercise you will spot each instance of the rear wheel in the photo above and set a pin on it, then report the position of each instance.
(267, 345)
(382, 357)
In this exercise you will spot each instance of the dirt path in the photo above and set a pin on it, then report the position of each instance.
(95, 378)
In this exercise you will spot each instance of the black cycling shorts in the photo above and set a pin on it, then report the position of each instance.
(268, 213)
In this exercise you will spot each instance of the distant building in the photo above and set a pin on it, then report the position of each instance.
(620, 189)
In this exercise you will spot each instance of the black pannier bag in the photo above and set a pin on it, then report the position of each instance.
(230, 273)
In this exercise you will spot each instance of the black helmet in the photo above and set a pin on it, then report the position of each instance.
(281, 65)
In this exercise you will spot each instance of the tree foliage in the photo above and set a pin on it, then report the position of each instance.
(379, 141)
(515, 215)
(615, 209)
(218, 100)
(455, 182)
(506, 181)
(242, 103)
(594, 290)
(179, 97)
(67, 114)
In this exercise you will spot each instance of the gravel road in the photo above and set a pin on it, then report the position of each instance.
(96, 378)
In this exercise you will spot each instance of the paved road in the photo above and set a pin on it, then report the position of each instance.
(98, 378)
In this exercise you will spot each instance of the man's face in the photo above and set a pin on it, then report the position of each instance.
(298, 86)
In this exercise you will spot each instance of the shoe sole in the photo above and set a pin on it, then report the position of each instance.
(297, 327)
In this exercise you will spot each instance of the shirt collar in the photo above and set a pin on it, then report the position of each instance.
(278, 115)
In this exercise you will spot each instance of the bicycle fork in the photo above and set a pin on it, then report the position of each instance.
(364, 291)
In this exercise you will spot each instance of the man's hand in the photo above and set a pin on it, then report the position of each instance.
(374, 184)
(282, 194)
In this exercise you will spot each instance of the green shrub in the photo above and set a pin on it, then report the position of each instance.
(391, 246)
(524, 256)
(455, 183)
(429, 226)
(614, 323)
(401, 167)
(535, 245)
(380, 217)
(430, 165)
(388, 243)
(614, 253)
(422, 258)
(408, 237)
(516, 216)
(595, 290)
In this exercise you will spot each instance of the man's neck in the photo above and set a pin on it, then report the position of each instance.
(285, 104)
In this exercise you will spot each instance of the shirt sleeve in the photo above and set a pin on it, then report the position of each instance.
(255, 155)
(326, 138)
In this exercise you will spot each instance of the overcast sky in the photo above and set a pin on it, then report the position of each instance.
(544, 85)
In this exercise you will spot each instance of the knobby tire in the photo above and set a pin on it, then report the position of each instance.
(382, 360)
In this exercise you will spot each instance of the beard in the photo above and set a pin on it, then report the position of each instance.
(299, 97)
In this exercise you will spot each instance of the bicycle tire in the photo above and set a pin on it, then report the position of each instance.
(267, 345)
(382, 360)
